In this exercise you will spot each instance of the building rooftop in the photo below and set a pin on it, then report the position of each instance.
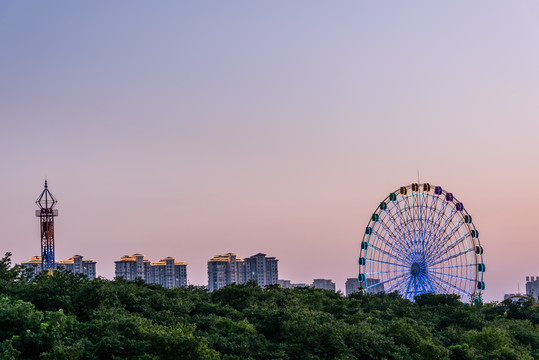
(132, 258)
(225, 257)
(71, 260)
(34, 259)
(163, 262)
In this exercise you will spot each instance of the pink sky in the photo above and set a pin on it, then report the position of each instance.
(190, 130)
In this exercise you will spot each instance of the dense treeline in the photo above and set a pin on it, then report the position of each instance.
(67, 316)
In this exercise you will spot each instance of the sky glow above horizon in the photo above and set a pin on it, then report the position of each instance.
(191, 129)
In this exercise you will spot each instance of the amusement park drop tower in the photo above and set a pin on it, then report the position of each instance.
(46, 215)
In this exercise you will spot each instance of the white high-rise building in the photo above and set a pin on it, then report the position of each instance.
(352, 285)
(76, 264)
(532, 286)
(222, 271)
(228, 268)
(132, 267)
(34, 264)
(325, 284)
(287, 284)
(167, 272)
(372, 285)
(260, 268)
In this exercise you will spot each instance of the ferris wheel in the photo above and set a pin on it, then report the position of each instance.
(419, 240)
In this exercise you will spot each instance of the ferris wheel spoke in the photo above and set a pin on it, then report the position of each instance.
(428, 220)
(387, 254)
(447, 286)
(413, 214)
(406, 241)
(441, 287)
(427, 287)
(443, 237)
(431, 284)
(446, 225)
(451, 286)
(420, 207)
(385, 242)
(387, 263)
(383, 272)
(408, 287)
(435, 238)
(440, 239)
(400, 247)
(425, 283)
(417, 286)
(400, 251)
(397, 230)
(443, 246)
(457, 226)
(396, 285)
(392, 278)
(410, 219)
(401, 285)
(464, 252)
(446, 249)
(415, 283)
(421, 216)
(452, 266)
(433, 214)
(417, 219)
(451, 276)
(424, 211)
(402, 219)
(435, 224)
(420, 285)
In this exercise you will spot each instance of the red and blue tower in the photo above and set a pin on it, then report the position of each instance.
(46, 215)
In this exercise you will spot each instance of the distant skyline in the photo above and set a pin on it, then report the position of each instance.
(195, 129)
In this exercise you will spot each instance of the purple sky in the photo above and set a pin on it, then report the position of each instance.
(193, 129)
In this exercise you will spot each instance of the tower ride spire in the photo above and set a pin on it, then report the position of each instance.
(46, 215)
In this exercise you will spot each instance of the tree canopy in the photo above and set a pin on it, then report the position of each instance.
(67, 316)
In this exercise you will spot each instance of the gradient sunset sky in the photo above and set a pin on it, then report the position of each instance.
(190, 129)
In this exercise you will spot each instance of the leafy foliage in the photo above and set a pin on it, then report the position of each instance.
(67, 316)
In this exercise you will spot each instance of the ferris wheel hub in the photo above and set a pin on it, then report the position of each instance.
(416, 269)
